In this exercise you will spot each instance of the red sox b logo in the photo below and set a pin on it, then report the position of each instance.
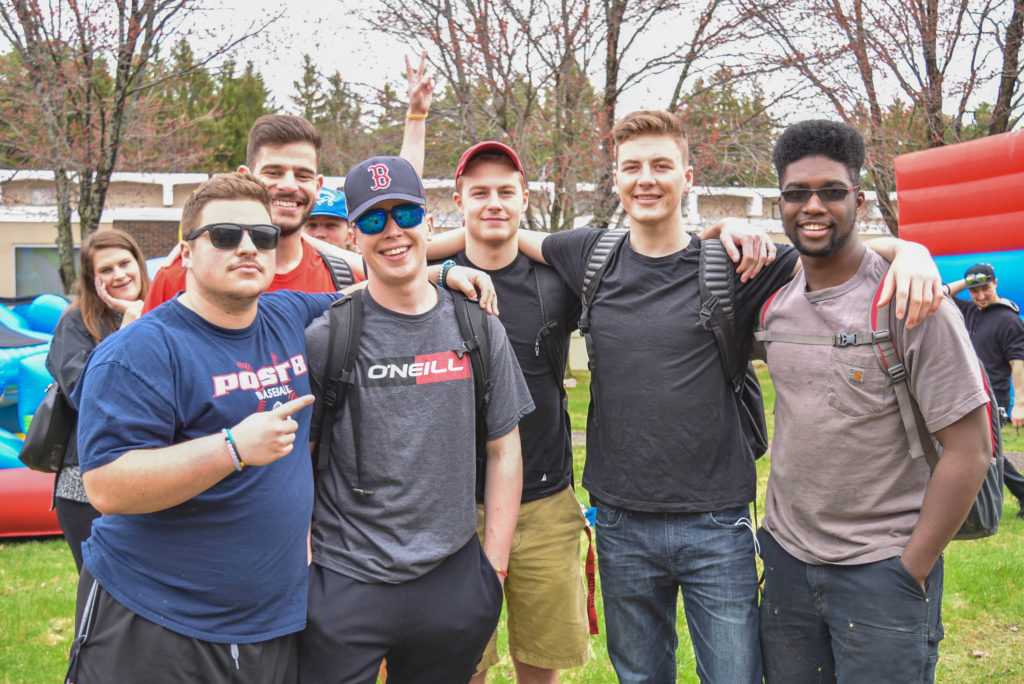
(381, 179)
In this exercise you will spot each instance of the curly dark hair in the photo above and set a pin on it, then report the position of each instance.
(833, 139)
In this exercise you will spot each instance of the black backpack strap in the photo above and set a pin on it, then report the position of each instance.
(341, 272)
(597, 263)
(345, 326)
(716, 279)
(549, 283)
(477, 344)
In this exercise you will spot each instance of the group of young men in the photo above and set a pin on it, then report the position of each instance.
(195, 436)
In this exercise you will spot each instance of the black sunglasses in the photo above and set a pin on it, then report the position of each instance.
(828, 195)
(229, 235)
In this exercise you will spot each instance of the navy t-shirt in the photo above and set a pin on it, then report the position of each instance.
(663, 431)
(228, 565)
(997, 333)
(545, 433)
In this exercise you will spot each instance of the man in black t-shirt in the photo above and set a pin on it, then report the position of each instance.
(545, 592)
(997, 333)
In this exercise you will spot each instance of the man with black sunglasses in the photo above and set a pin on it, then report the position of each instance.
(397, 570)
(997, 333)
(193, 440)
(854, 526)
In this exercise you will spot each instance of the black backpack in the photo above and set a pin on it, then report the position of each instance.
(345, 326)
(339, 269)
(983, 519)
(717, 313)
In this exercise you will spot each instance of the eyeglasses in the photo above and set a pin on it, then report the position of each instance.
(976, 279)
(405, 215)
(229, 235)
(828, 195)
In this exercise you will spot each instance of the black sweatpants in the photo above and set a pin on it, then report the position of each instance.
(430, 629)
(113, 644)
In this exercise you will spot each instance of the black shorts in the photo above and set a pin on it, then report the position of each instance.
(116, 645)
(431, 629)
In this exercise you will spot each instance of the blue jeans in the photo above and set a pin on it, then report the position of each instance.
(847, 623)
(645, 559)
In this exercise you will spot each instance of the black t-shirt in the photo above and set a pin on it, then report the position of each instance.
(997, 333)
(663, 432)
(545, 433)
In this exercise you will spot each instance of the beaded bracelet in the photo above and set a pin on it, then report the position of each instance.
(232, 449)
(447, 266)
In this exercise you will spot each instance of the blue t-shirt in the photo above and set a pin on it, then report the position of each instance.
(228, 565)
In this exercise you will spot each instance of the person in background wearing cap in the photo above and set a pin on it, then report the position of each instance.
(545, 591)
(283, 152)
(329, 219)
(997, 333)
(397, 569)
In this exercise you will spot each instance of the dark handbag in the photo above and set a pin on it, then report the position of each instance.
(48, 434)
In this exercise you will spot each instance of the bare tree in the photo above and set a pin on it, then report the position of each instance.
(1006, 113)
(513, 71)
(87, 67)
(709, 34)
(862, 56)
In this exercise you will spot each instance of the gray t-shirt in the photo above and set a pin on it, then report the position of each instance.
(843, 489)
(418, 443)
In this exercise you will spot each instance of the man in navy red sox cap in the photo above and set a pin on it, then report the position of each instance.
(398, 571)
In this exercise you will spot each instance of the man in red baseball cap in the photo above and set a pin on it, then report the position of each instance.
(544, 592)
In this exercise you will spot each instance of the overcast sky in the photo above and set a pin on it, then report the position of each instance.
(331, 32)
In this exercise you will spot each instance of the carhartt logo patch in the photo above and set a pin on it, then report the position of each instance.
(857, 376)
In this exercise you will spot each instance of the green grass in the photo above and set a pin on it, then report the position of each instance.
(983, 605)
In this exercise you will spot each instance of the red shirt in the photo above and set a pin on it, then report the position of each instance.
(310, 275)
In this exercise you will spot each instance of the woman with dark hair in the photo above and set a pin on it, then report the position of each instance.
(112, 285)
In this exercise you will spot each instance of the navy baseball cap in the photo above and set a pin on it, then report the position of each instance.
(487, 146)
(330, 203)
(979, 275)
(377, 179)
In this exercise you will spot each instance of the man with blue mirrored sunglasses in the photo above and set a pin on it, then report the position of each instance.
(397, 570)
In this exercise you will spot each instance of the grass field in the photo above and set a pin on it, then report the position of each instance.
(983, 605)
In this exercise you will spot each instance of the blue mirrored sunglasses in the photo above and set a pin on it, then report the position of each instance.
(405, 215)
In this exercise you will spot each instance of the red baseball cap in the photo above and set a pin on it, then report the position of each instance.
(487, 146)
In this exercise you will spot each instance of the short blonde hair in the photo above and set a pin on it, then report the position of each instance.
(650, 122)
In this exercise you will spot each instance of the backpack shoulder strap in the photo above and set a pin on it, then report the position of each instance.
(339, 269)
(886, 348)
(597, 263)
(345, 322)
(548, 283)
(716, 279)
(476, 343)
